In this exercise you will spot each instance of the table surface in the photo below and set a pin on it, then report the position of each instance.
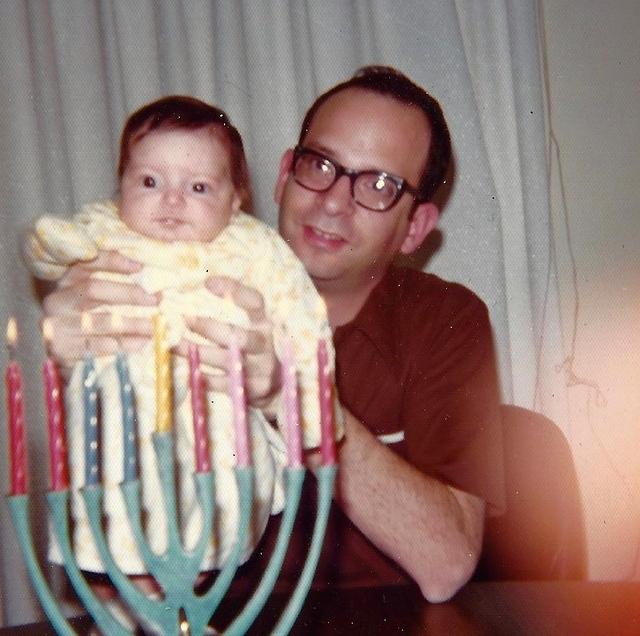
(509, 608)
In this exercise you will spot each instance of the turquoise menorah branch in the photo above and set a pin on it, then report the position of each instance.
(176, 569)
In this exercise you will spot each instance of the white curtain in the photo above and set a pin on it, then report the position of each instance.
(70, 71)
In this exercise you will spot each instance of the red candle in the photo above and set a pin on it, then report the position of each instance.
(327, 440)
(203, 463)
(15, 408)
(239, 402)
(55, 420)
(291, 407)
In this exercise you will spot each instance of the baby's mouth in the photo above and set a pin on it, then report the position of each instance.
(169, 221)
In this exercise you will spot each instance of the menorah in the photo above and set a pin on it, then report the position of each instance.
(179, 609)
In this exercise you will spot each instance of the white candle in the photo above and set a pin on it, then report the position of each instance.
(239, 402)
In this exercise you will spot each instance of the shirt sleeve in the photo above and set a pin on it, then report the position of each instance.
(450, 409)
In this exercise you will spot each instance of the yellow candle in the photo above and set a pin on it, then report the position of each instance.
(164, 387)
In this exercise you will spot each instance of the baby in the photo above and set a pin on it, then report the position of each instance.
(183, 184)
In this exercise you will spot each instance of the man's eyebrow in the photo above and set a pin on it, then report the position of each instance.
(320, 148)
(331, 154)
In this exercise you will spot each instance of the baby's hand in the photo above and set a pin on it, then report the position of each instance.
(78, 292)
(262, 367)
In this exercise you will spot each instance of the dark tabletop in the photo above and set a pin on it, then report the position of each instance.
(540, 608)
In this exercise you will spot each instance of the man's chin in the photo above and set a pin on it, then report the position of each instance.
(324, 277)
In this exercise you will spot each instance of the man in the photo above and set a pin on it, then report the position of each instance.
(415, 365)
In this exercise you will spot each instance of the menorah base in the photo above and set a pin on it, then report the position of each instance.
(181, 610)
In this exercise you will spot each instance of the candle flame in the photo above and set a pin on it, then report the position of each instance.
(86, 322)
(12, 332)
(47, 330)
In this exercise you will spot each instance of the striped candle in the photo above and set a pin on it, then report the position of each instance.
(239, 402)
(90, 402)
(200, 433)
(291, 406)
(15, 409)
(129, 449)
(327, 440)
(55, 420)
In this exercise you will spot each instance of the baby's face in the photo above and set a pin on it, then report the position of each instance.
(177, 186)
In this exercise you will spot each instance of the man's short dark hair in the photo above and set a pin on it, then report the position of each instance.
(188, 113)
(385, 80)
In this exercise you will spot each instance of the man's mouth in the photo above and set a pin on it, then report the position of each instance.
(323, 238)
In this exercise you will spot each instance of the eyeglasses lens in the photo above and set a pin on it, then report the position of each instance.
(314, 172)
(372, 190)
(375, 191)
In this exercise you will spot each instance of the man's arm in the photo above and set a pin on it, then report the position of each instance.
(77, 292)
(430, 529)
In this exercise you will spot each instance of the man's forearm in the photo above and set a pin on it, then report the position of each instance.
(431, 530)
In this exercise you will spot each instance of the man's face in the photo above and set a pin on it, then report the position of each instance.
(177, 186)
(342, 244)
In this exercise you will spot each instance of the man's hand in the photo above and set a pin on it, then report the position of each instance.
(77, 292)
(261, 364)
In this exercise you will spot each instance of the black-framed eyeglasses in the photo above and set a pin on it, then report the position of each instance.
(372, 189)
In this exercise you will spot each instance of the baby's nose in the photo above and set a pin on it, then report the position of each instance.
(174, 196)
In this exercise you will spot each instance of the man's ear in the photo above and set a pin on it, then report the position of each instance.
(424, 219)
(283, 174)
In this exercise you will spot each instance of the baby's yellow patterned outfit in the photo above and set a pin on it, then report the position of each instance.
(246, 250)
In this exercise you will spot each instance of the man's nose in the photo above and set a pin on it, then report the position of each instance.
(338, 198)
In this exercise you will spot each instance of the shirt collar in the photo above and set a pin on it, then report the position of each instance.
(376, 319)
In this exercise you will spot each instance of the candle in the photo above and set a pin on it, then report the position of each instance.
(291, 406)
(238, 400)
(90, 402)
(15, 408)
(327, 442)
(53, 394)
(201, 436)
(164, 392)
(130, 466)
(129, 449)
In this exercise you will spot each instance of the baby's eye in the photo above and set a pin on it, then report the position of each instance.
(200, 187)
(148, 182)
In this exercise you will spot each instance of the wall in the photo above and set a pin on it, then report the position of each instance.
(593, 57)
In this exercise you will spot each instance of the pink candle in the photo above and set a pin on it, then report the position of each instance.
(291, 407)
(239, 402)
(55, 420)
(203, 463)
(327, 441)
(15, 408)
